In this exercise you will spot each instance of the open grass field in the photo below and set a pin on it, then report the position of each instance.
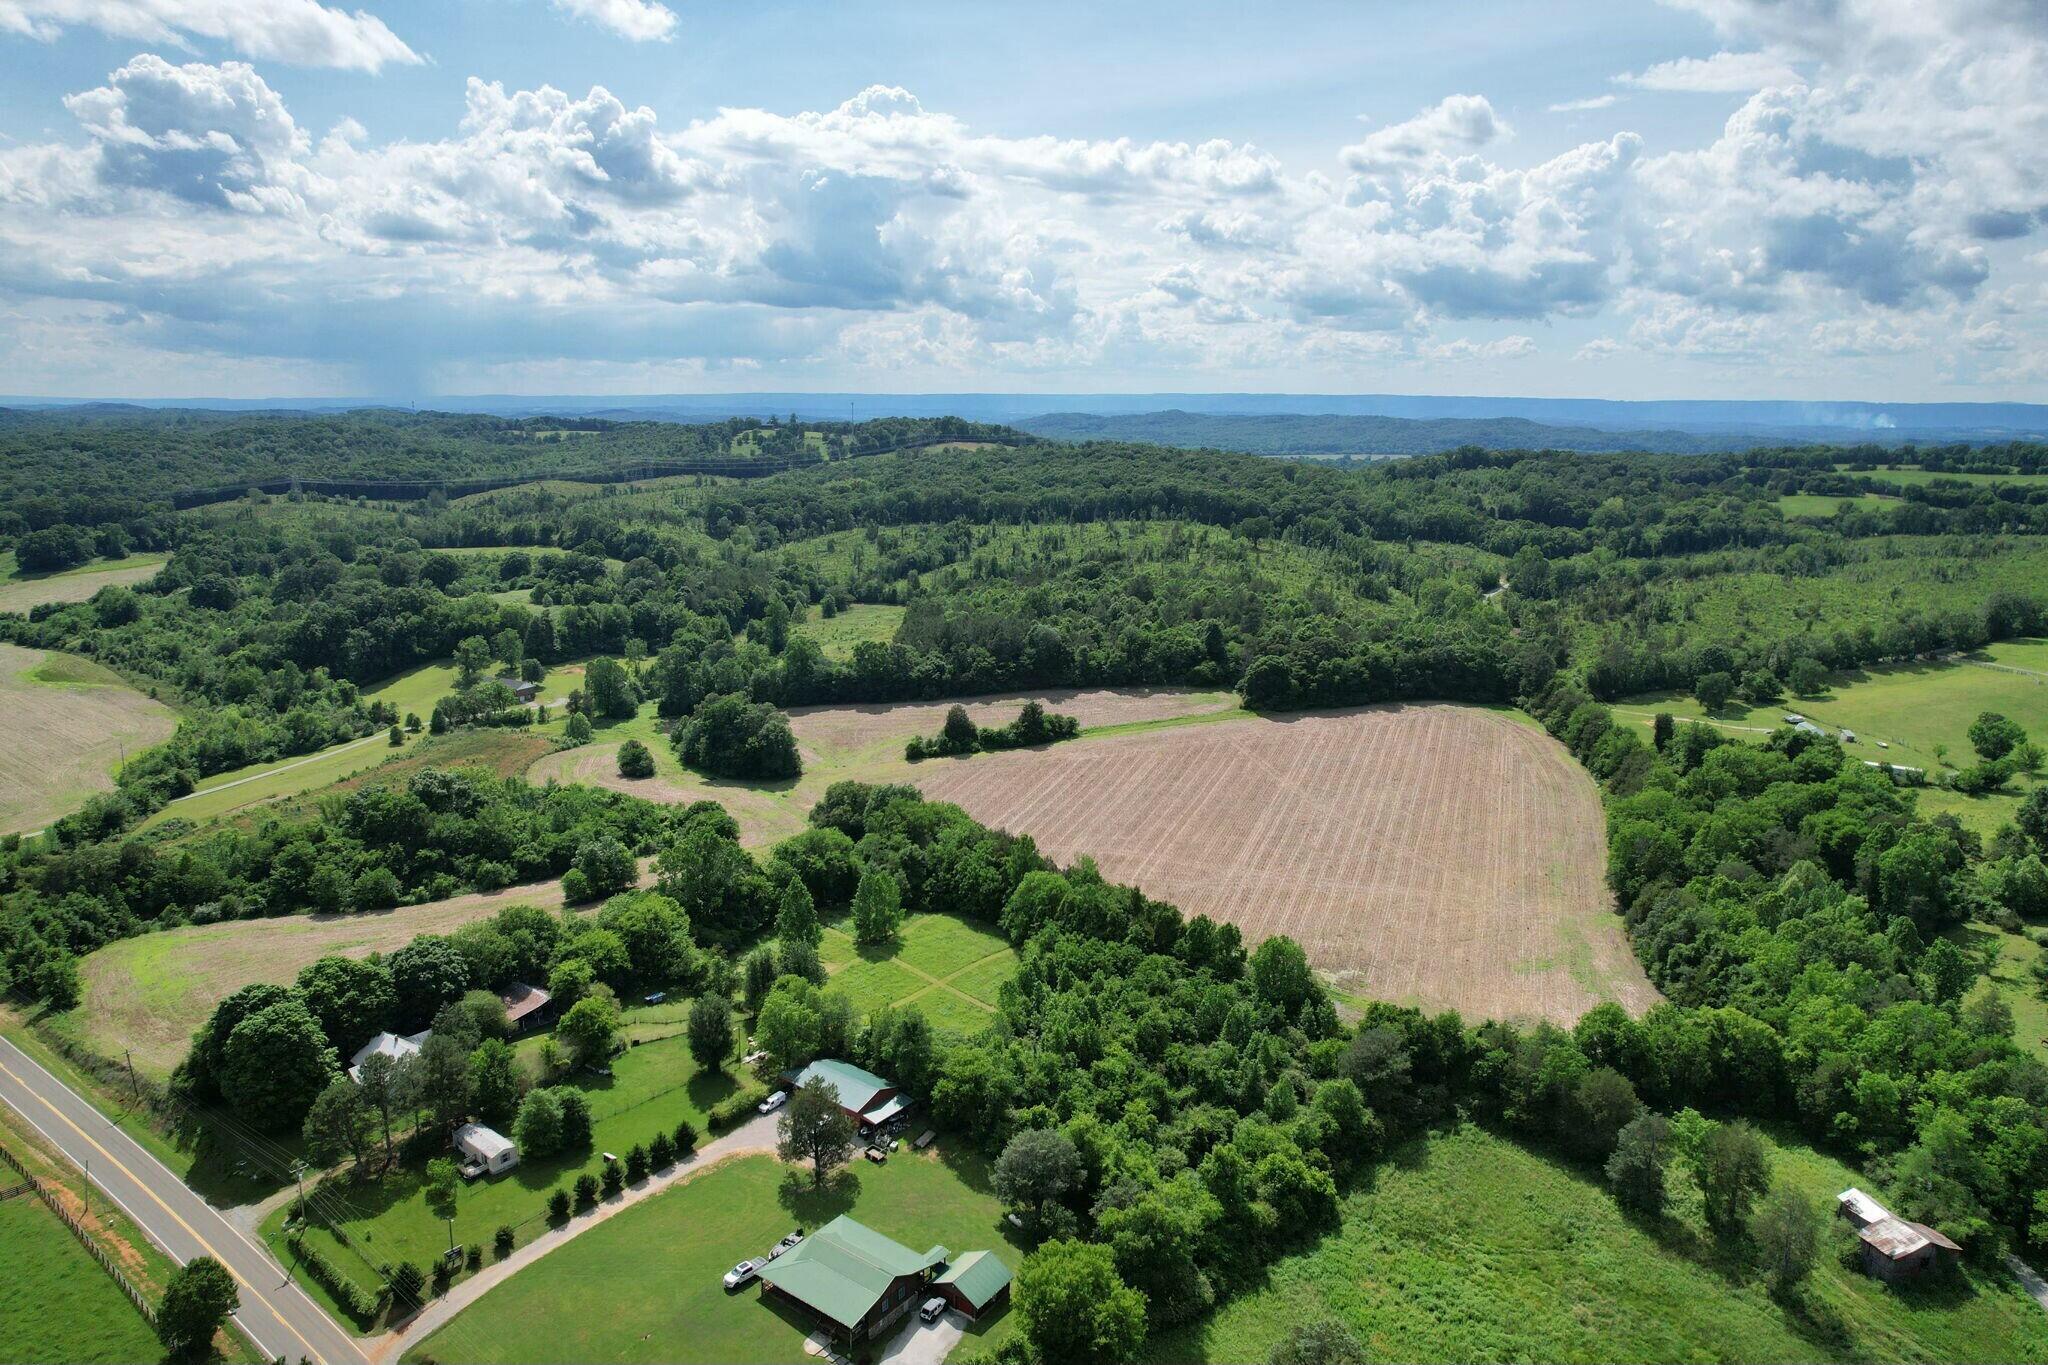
(65, 722)
(842, 742)
(147, 994)
(1818, 505)
(949, 968)
(652, 1087)
(1918, 478)
(56, 1305)
(676, 1246)
(837, 635)
(1922, 711)
(2012, 957)
(345, 767)
(20, 591)
(1470, 1247)
(1440, 855)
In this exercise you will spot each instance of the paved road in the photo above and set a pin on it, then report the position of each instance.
(275, 1313)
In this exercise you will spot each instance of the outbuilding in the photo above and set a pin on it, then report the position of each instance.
(851, 1279)
(485, 1151)
(977, 1283)
(867, 1099)
(526, 1007)
(1893, 1248)
(520, 688)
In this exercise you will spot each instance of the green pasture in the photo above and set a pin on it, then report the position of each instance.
(1919, 478)
(949, 968)
(837, 635)
(57, 1307)
(1816, 505)
(645, 1285)
(1470, 1247)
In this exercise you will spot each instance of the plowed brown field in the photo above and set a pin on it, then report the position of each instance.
(1440, 855)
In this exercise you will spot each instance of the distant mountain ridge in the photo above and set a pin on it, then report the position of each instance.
(1333, 435)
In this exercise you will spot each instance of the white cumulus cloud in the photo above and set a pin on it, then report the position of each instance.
(640, 21)
(301, 32)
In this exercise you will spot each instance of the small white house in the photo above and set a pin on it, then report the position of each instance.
(485, 1151)
(393, 1045)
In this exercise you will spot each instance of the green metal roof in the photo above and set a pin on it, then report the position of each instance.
(843, 1269)
(979, 1277)
(857, 1088)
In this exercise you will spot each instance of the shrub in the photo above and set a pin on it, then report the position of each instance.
(558, 1207)
(407, 1282)
(735, 1109)
(686, 1137)
(661, 1152)
(614, 1179)
(359, 1303)
(636, 1164)
(586, 1190)
(502, 1242)
(475, 1258)
(635, 760)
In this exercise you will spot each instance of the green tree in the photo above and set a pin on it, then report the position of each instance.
(340, 1125)
(1076, 1309)
(788, 1024)
(1642, 1151)
(877, 907)
(1807, 676)
(608, 690)
(494, 1082)
(1281, 975)
(1319, 1341)
(1785, 1230)
(591, 1027)
(578, 730)
(797, 920)
(353, 1000)
(538, 1129)
(1712, 691)
(1993, 736)
(607, 867)
(814, 1128)
(472, 658)
(426, 974)
(443, 1186)
(634, 760)
(1733, 1169)
(278, 1061)
(1038, 1169)
(200, 1295)
(711, 1031)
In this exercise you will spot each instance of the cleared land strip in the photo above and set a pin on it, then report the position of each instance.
(1442, 855)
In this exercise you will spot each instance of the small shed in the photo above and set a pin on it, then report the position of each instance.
(977, 1283)
(485, 1151)
(526, 1007)
(1893, 1248)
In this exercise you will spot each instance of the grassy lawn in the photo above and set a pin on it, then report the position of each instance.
(1915, 478)
(651, 1087)
(574, 1305)
(67, 723)
(1913, 708)
(837, 635)
(1817, 505)
(56, 1305)
(2011, 977)
(940, 963)
(1473, 1248)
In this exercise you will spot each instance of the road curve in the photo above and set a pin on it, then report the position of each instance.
(276, 1314)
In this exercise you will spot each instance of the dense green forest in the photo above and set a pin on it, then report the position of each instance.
(1790, 901)
(1332, 435)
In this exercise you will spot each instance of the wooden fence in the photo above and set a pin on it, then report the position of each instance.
(42, 1188)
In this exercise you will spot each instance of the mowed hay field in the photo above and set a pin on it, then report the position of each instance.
(149, 993)
(864, 743)
(64, 723)
(20, 592)
(1446, 856)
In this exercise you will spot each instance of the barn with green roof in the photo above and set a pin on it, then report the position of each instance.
(857, 1283)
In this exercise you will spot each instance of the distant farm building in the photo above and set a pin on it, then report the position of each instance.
(520, 688)
(393, 1045)
(485, 1151)
(867, 1099)
(525, 1006)
(1894, 1248)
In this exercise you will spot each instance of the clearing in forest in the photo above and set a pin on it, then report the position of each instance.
(65, 723)
(1445, 856)
(20, 591)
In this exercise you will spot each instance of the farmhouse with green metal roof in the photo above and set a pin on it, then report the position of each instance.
(866, 1097)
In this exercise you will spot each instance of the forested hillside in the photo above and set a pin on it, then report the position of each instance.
(1363, 437)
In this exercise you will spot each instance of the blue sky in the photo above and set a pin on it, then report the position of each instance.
(1713, 198)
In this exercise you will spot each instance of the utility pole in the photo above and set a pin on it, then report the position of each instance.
(88, 1186)
(134, 1086)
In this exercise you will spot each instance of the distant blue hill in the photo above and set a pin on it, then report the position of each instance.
(1774, 420)
(1274, 434)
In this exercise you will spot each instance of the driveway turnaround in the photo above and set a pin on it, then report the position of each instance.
(275, 1313)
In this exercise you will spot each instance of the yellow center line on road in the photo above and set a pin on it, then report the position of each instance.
(193, 1232)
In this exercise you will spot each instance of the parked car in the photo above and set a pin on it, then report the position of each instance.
(933, 1309)
(743, 1273)
(773, 1102)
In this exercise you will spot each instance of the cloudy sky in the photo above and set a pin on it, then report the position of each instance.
(1710, 198)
